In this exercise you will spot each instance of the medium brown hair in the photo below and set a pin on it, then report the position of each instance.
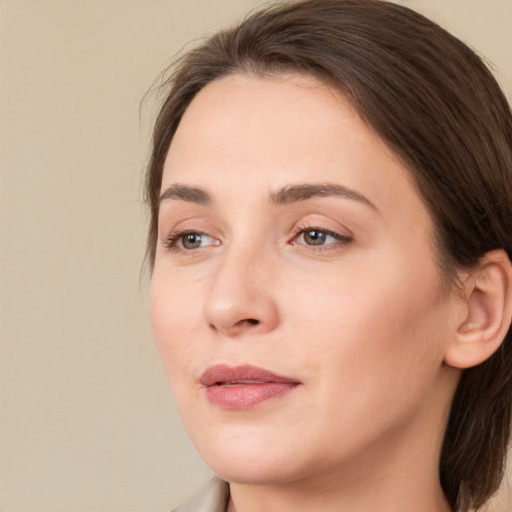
(436, 104)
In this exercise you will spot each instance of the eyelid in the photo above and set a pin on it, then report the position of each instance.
(172, 240)
(340, 239)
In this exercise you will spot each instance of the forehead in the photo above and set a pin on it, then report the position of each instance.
(267, 112)
(270, 132)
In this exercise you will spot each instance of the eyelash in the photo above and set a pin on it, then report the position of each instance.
(340, 239)
(172, 241)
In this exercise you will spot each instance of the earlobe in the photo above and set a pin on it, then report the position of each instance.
(488, 301)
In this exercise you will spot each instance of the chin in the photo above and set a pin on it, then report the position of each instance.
(254, 472)
(248, 458)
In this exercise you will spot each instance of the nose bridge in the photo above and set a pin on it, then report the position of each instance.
(240, 297)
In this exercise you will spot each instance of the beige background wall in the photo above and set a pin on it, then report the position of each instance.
(87, 422)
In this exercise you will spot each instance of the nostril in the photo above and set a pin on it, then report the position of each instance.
(250, 321)
(241, 323)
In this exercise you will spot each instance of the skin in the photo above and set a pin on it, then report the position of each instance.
(361, 321)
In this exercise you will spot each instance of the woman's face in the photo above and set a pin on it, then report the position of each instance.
(295, 299)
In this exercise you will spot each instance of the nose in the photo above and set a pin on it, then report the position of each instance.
(241, 299)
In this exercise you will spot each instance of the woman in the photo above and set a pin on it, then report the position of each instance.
(330, 190)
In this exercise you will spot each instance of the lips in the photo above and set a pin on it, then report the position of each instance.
(243, 387)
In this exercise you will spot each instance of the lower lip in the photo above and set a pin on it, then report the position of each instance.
(245, 396)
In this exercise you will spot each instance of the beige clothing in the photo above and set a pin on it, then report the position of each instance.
(212, 497)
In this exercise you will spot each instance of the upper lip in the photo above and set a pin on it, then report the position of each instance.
(224, 374)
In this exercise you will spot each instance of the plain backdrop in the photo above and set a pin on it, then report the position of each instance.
(87, 422)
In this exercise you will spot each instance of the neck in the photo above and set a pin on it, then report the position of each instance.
(365, 497)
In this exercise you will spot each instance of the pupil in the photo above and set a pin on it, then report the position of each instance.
(192, 241)
(314, 237)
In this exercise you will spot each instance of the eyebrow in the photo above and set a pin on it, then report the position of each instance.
(286, 195)
(186, 193)
(305, 191)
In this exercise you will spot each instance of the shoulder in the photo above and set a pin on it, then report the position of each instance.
(211, 497)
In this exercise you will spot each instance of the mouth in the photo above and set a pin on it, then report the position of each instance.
(243, 387)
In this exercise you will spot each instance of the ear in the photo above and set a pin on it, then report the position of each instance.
(487, 314)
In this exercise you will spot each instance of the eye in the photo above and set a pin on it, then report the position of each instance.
(189, 240)
(316, 237)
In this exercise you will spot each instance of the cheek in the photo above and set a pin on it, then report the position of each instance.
(175, 319)
(389, 325)
(374, 353)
